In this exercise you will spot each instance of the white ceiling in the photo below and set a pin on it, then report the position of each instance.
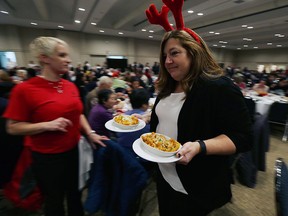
(267, 17)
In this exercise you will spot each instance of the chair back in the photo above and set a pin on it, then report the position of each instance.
(281, 187)
(278, 113)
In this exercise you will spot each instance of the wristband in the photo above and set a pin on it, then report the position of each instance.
(203, 149)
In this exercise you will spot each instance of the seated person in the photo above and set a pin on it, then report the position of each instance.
(102, 112)
(139, 99)
(104, 82)
(261, 88)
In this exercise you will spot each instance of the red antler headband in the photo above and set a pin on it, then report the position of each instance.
(161, 18)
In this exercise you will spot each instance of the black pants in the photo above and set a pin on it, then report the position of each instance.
(57, 176)
(173, 203)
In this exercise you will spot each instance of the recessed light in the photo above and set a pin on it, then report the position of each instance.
(144, 30)
(77, 21)
(269, 44)
(120, 33)
(101, 31)
(215, 45)
(250, 27)
(93, 23)
(81, 9)
(150, 36)
(217, 33)
(59, 26)
(4, 12)
(245, 45)
(200, 14)
(238, 48)
(211, 32)
(279, 45)
(171, 24)
(244, 26)
(255, 47)
(33, 23)
(190, 11)
(151, 31)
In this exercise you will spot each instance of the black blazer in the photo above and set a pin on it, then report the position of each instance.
(212, 107)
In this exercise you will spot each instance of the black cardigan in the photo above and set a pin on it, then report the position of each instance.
(212, 107)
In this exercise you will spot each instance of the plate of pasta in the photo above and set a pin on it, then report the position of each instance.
(147, 155)
(125, 121)
(160, 144)
(111, 125)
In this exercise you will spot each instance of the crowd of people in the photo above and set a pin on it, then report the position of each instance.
(52, 104)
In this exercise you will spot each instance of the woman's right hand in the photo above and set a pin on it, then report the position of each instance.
(59, 124)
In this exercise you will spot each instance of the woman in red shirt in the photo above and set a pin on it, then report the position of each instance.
(48, 110)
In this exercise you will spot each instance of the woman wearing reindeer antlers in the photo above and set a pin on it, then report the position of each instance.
(204, 111)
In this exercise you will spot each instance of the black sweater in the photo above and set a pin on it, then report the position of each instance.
(212, 108)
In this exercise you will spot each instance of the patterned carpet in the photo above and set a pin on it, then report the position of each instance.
(258, 201)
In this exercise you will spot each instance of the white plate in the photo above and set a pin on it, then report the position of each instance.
(111, 126)
(143, 153)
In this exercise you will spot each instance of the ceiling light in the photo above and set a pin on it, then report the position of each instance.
(217, 33)
(151, 31)
(77, 21)
(81, 9)
(33, 23)
(238, 48)
(244, 26)
(150, 36)
(190, 11)
(211, 32)
(200, 14)
(269, 44)
(215, 45)
(250, 27)
(144, 30)
(93, 23)
(223, 46)
(279, 45)
(245, 45)
(255, 47)
(101, 31)
(4, 12)
(171, 24)
(121, 33)
(59, 26)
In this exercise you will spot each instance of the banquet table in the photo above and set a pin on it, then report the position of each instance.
(263, 103)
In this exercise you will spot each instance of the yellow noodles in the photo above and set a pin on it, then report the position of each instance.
(160, 142)
(126, 120)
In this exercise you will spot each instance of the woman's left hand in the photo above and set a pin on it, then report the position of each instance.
(187, 152)
(95, 138)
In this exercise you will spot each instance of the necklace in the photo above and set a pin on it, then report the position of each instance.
(57, 85)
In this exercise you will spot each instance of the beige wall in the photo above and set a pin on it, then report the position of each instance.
(17, 39)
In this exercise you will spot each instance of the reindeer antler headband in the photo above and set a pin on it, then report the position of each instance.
(161, 18)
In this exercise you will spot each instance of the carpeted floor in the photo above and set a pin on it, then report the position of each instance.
(258, 201)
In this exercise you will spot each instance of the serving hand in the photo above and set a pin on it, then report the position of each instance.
(187, 152)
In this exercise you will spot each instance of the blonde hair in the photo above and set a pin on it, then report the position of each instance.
(202, 65)
(45, 46)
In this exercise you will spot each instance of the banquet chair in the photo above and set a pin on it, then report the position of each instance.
(281, 187)
(278, 114)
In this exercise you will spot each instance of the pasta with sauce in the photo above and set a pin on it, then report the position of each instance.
(160, 142)
(126, 120)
